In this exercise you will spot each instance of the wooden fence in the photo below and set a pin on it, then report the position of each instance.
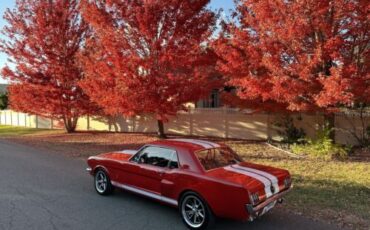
(226, 123)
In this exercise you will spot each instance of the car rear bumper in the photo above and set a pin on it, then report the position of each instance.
(262, 208)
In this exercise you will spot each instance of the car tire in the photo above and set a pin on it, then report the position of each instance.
(195, 212)
(102, 183)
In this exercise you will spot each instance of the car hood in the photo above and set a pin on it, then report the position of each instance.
(264, 180)
(119, 155)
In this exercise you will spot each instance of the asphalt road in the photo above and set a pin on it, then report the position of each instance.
(40, 190)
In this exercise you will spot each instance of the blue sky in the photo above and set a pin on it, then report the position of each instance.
(3, 6)
(215, 4)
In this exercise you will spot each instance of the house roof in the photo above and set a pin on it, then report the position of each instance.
(3, 88)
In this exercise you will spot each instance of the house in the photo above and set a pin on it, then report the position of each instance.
(213, 100)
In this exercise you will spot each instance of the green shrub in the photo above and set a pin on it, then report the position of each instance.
(290, 133)
(321, 147)
(3, 101)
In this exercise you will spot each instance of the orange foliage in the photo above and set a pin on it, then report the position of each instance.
(300, 55)
(43, 40)
(148, 56)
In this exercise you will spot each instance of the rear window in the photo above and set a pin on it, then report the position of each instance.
(217, 157)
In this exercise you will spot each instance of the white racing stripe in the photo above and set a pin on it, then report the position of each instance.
(145, 193)
(204, 144)
(271, 177)
(260, 178)
(214, 145)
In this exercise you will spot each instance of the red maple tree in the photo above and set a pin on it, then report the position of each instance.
(148, 57)
(297, 55)
(43, 38)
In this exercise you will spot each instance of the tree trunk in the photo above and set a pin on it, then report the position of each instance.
(329, 120)
(161, 133)
(70, 124)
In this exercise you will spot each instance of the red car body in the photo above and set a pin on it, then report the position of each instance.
(240, 191)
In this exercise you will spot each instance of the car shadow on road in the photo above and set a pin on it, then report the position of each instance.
(170, 218)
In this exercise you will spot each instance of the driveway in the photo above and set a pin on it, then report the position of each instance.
(40, 190)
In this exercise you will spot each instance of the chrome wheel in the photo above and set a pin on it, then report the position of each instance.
(193, 211)
(101, 182)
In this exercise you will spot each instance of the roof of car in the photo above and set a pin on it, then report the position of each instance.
(193, 144)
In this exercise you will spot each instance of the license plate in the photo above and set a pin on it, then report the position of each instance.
(268, 207)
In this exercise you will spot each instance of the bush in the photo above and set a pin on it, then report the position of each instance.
(321, 147)
(290, 133)
(3, 101)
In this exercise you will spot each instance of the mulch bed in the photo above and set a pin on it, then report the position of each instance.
(85, 144)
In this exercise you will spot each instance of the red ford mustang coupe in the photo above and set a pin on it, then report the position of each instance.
(202, 178)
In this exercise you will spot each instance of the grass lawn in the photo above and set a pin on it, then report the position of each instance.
(330, 190)
(333, 191)
(12, 131)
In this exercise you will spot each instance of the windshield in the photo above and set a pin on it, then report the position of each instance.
(217, 158)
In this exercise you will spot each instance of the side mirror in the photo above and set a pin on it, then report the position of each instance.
(185, 167)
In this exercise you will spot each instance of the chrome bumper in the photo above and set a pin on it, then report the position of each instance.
(88, 169)
(256, 211)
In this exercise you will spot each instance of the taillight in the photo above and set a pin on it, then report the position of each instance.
(254, 198)
(287, 182)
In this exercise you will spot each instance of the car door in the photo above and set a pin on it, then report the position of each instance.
(170, 178)
(148, 167)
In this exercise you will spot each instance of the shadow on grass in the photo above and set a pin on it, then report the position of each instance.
(327, 194)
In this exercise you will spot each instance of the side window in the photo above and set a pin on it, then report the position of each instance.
(206, 158)
(174, 164)
(155, 156)
(217, 157)
(136, 157)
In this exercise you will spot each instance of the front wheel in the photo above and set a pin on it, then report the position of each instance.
(195, 212)
(102, 183)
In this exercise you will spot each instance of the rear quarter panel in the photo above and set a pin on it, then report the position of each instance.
(225, 199)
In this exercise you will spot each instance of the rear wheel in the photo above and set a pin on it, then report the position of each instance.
(102, 183)
(195, 212)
